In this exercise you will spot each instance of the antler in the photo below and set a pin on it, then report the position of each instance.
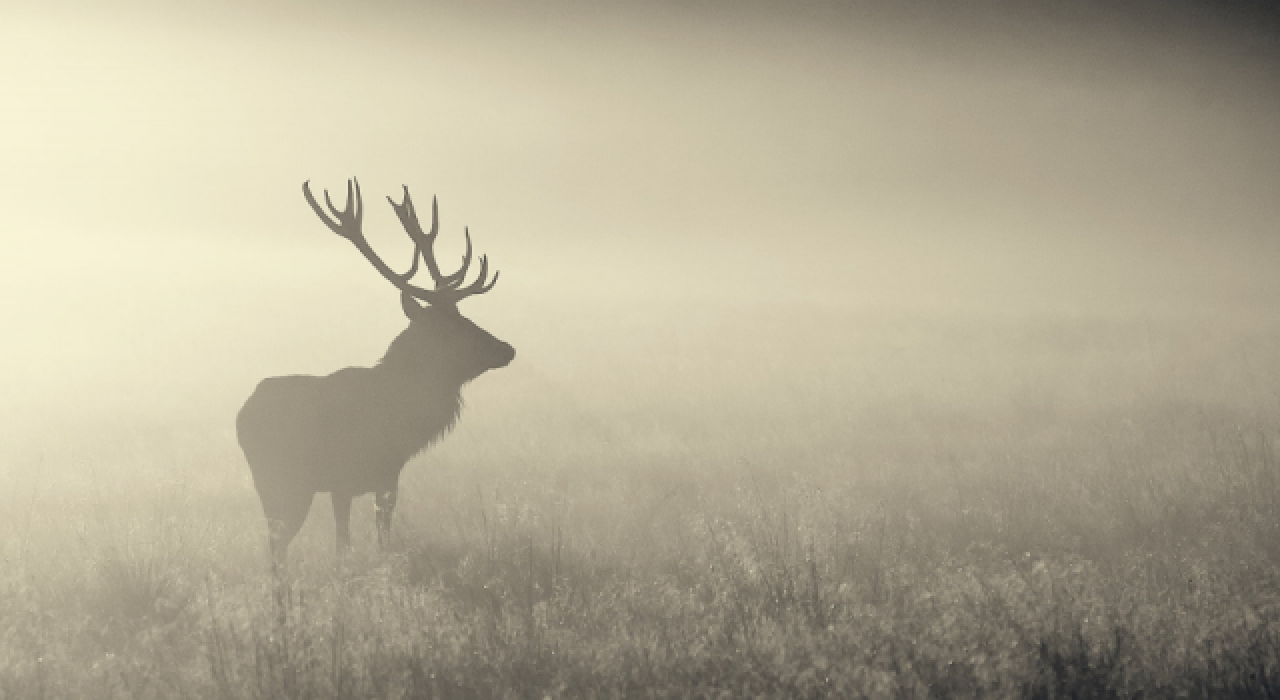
(425, 243)
(347, 223)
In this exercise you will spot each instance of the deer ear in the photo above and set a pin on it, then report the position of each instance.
(412, 309)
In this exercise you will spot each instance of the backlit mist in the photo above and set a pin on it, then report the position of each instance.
(616, 158)
(846, 240)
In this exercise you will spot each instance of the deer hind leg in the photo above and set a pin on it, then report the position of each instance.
(342, 519)
(384, 503)
(285, 511)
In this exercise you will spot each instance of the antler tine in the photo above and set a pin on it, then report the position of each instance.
(413, 268)
(329, 202)
(351, 211)
(407, 214)
(425, 242)
(409, 219)
(454, 280)
(478, 286)
(315, 206)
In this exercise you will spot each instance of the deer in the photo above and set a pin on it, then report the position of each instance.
(352, 432)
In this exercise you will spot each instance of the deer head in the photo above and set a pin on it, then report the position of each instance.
(439, 341)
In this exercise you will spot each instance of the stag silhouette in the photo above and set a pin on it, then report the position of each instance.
(352, 432)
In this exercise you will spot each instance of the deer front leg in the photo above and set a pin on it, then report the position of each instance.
(384, 503)
(342, 520)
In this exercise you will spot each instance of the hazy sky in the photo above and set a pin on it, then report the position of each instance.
(851, 139)
(978, 155)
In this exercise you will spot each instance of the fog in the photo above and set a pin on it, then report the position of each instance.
(942, 276)
(667, 164)
(612, 160)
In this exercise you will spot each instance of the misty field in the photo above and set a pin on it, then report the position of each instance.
(864, 348)
(779, 502)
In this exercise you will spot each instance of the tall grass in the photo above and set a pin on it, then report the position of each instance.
(1018, 508)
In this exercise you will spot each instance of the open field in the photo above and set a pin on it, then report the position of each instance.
(789, 502)
(865, 348)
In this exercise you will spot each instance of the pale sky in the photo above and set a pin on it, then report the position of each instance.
(760, 142)
(874, 155)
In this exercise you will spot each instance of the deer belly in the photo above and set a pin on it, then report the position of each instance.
(291, 434)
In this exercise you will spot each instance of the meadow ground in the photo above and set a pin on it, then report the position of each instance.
(816, 505)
